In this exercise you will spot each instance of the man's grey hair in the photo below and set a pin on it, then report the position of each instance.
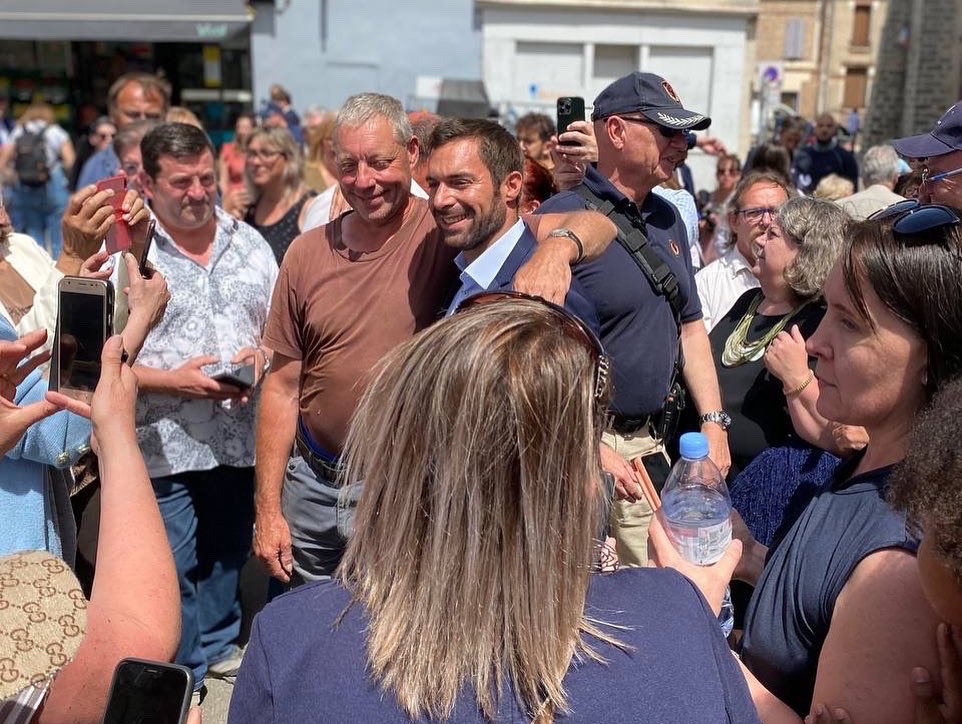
(359, 109)
(880, 165)
(132, 134)
(818, 227)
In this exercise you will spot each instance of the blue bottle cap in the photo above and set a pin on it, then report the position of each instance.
(693, 445)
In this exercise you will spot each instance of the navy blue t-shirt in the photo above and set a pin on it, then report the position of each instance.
(300, 667)
(638, 329)
(790, 612)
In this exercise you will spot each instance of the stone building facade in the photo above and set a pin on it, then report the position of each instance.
(826, 50)
(919, 69)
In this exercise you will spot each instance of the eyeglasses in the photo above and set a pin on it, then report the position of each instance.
(926, 179)
(262, 155)
(140, 115)
(664, 130)
(911, 217)
(571, 325)
(727, 172)
(756, 214)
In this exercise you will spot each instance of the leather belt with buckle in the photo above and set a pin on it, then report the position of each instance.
(331, 471)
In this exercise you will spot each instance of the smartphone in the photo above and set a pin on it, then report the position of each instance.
(657, 466)
(84, 321)
(149, 692)
(118, 237)
(148, 240)
(570, 109)
(240, 375)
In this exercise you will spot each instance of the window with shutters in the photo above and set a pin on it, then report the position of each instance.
(856, 81)
(795, 39)
(861, 25)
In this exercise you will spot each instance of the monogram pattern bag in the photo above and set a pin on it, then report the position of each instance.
(43, 615)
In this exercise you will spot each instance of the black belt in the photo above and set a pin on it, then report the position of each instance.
(331, 471)
(624, 425)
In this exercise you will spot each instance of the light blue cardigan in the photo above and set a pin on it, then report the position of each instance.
(35, 509)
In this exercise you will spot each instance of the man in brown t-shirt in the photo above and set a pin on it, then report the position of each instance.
(347, 294)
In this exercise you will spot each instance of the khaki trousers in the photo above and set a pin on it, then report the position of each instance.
(629, 521)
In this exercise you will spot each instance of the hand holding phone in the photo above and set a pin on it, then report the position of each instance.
(118, 236)
(149, 692)
(192, 382)
(240, 375)
(570, 109)
(84, 322)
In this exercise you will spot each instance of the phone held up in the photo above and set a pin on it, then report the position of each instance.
(84, 322)
(570, 109)
(149, 692)
(118, 237)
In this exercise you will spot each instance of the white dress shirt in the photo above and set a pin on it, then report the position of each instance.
(721, 283)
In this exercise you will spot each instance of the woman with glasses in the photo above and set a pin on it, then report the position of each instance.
(466, 593)
(838, 614)
(728, 171)
(759, 344)
(275, 197)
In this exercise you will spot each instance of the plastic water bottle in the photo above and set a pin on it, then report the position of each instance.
(697, 510)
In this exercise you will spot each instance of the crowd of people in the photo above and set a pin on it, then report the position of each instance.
(463, 338)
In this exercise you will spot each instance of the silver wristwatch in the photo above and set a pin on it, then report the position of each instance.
(719, 417)
(566, 233)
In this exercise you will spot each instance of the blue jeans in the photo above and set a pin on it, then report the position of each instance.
(37, 211)
(209, 516)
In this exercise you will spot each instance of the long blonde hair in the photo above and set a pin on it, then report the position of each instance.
(477, 445)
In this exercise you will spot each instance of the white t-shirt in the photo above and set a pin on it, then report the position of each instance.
(54, 138)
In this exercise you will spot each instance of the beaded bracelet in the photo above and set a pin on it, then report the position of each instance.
(798, 390)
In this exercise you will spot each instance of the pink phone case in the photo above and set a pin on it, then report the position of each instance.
(118, 237)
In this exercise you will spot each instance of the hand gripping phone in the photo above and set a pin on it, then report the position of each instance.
(570, 109)
(84, 322)
(118, 237)
(149, 692)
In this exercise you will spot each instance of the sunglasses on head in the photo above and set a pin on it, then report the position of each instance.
(573, 327)
(911, 217)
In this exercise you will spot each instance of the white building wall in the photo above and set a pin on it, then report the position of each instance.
(530, 57)
(322, 51)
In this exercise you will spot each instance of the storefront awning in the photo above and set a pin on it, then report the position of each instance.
(132, 20)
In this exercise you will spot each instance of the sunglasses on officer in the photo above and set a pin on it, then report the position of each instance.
(573, 328)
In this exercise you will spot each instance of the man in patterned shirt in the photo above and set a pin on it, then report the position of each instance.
(196, 433)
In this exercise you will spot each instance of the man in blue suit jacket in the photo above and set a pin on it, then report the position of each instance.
(475, 180)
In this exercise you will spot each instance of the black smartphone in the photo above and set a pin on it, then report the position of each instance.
(240, 375)
(657, 466)
(149, 692)
(144, 270)
(570, 109)
(84, 322)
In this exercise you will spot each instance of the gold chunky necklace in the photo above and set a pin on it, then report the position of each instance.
(739, 350)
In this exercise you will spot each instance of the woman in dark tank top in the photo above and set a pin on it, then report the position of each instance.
(275, 196)
(839, 614)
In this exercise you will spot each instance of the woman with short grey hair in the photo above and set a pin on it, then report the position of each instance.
(759, 346)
